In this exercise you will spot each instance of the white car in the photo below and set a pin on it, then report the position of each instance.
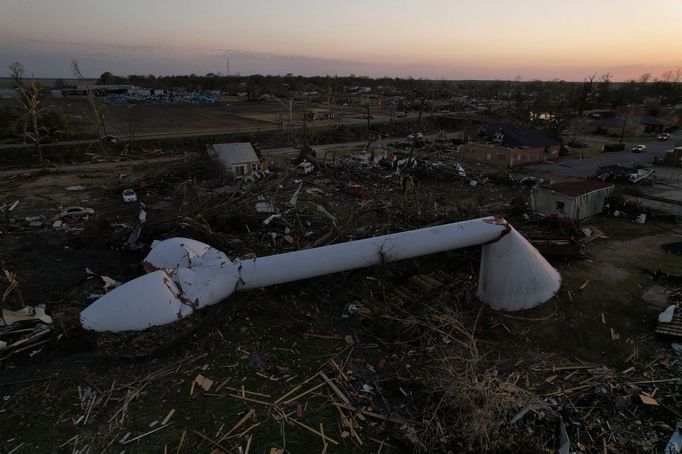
(305, 167)
(639, 149)
(129, 196)
(417, 135)
(75, 213)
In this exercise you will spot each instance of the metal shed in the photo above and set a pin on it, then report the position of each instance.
(576, 199)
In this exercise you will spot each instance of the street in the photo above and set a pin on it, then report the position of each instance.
(587, 167)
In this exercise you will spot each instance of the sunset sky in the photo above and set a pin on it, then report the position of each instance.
(450, 39)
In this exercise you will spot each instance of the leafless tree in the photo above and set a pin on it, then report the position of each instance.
(288, 103)
(369, 118)
(16, 73)
(99, 119)
(605, 83)
(627, 111)
(30, 96)
(330, 97)
(133, 120)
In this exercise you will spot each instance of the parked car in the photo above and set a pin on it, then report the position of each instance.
(74, 213)
(639, 149)
(417, 135)
(401, 115)
(129, 196)
(305, 167)
(663, 137)
(110, 139)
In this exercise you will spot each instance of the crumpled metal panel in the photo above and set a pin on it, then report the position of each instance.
(174, 253)
(186, 275)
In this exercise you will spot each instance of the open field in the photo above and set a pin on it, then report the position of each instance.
(153, 119)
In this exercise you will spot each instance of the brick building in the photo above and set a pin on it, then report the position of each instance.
(510, 146)
(498, 156)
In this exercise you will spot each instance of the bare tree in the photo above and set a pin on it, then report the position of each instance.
(30, 96)
(288, 103)
(330, 95)
(133, 120)
(627, 110)
(16, 73)
(31, 99)
(99, 119)
(369, 134)
(605, 84)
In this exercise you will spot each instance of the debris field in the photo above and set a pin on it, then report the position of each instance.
(397, 357)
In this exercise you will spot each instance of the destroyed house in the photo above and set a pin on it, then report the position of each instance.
(574, 199)
(498, 156)
(617, 126)
(655, 125)
(319, 114)
(238, 159)
(510, 146)
(673, 157)
(516, 137)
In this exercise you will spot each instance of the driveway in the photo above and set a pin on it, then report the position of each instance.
(587, 167)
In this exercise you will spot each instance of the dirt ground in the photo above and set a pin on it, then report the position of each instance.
(83, 392)
(150, 119)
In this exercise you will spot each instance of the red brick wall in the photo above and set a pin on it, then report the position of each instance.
(505, 157)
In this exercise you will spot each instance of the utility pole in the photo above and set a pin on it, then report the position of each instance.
(625, 121)
(227, 64)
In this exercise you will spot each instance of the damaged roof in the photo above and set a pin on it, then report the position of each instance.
(232, 153)
(515, 136)
(574, 188)
(654, 121)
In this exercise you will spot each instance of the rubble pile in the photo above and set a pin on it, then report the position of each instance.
(390, 358)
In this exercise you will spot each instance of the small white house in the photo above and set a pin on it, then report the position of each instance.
(579, 199)
(238, 159)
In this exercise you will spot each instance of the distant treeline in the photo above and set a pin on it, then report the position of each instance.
(593, 92)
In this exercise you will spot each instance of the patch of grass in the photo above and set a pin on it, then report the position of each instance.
(640, 139)
(587, 152)
(669, 264)
(623, 228)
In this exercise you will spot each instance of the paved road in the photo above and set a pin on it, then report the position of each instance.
(587, 167)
